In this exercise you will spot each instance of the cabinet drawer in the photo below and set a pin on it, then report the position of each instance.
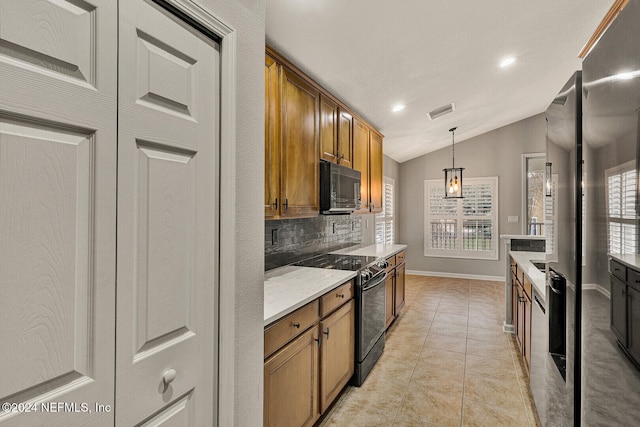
(400, 257)
(618, 270)
(334, 299)
(633, 278)
(392, 263)
(526, 285)
(289, 327)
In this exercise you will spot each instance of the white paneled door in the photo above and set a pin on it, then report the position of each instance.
(58, 95)
(167, 220)
(109, 142)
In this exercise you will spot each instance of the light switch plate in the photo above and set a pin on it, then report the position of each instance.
(512, 219)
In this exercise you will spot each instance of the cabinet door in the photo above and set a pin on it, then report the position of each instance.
(58, 118)
(619, 310)
(361, 160)
(633, 323)
(527, 331)
(271, 134)
(514, 301)
(328, 129)
(336, 353)
(168, 142)
(291, 383)
(389, 291)
(375, 171)
(399, 291)
(520, 318)
(299, 160)
(345, 138)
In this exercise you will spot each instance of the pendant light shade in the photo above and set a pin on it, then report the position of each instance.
(453, 175)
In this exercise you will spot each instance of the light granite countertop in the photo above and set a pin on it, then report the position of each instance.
(376, 250)
(288, 288)
(630, 260)
(525, 261)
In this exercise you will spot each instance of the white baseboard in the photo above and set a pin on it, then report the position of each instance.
(596, 287)
(506, 327)
(455, 275)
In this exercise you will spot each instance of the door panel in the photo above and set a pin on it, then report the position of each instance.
(271, 135)
(375, 171)
(345, 138)
(361, 160)
(328, 130)
(57, 209)
(167, 238)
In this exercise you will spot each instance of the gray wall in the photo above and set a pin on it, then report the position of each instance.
(245, 393)
(496, 153)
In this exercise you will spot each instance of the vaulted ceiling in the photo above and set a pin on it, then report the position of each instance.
(424, 54)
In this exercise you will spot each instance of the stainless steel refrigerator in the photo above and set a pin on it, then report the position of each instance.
(592, 147)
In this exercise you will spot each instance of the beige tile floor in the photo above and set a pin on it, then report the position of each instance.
(446, 363)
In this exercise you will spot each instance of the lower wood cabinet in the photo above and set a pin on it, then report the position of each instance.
(336, 353)
(291, 383)
(310, 357)
(395, 286)
(521, 288)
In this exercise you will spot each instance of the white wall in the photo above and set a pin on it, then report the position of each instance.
(496, 153)
(242, 397)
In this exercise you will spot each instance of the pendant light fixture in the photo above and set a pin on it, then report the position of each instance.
(453, 175)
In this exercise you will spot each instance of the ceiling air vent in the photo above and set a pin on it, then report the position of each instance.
(441, 111)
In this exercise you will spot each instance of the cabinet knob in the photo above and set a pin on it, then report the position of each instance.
(275, 204)
(286, 204)
(339, 295)
(296, 325)
(168, 376)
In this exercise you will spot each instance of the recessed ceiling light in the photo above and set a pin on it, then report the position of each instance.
(398, 107)
(507, 61)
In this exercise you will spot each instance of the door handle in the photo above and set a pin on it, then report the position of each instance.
(275, 205)
(168, 376)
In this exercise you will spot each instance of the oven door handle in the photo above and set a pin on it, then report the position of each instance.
(375, 283)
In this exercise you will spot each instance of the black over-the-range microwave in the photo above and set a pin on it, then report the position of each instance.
(339, 189)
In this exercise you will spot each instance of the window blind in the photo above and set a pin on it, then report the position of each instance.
(384, 219)
(621, 214)
(462, 228)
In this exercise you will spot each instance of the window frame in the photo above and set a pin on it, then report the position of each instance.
(608, 173)
(387, 216)
(459, 252)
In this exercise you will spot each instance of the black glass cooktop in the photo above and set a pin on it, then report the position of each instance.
(338, 262)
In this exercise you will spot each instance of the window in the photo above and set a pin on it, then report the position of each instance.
(551, 221)
(621, 212)
(384, 220)
(462, 228)
(534, 193)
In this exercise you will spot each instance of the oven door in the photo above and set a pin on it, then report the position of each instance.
(372, 314)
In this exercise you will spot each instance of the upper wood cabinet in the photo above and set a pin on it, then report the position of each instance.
(303, 124)
(375, 171)
(299, 160)
(367, 158)
(345, 138)
(328, 129)
(271, 135)
(361, 160)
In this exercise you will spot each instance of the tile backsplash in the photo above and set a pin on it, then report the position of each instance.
(290, 240)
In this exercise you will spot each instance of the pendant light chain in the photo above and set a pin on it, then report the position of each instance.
(453, 146)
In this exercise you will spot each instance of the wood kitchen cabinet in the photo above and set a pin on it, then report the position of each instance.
(309, 358)
(336, 133)
(625, 308)
(292, 132)
(521, 288)
(367, 158)
(271, 141)
(291, 383)
(337, 358)
(395, 286)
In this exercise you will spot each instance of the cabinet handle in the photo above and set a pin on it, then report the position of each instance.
(339, 295)
(327, 333)
(286, 204)
(318, 340)
(275, 205)
(296, 325)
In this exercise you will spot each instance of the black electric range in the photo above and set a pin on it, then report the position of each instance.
(370, 303)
